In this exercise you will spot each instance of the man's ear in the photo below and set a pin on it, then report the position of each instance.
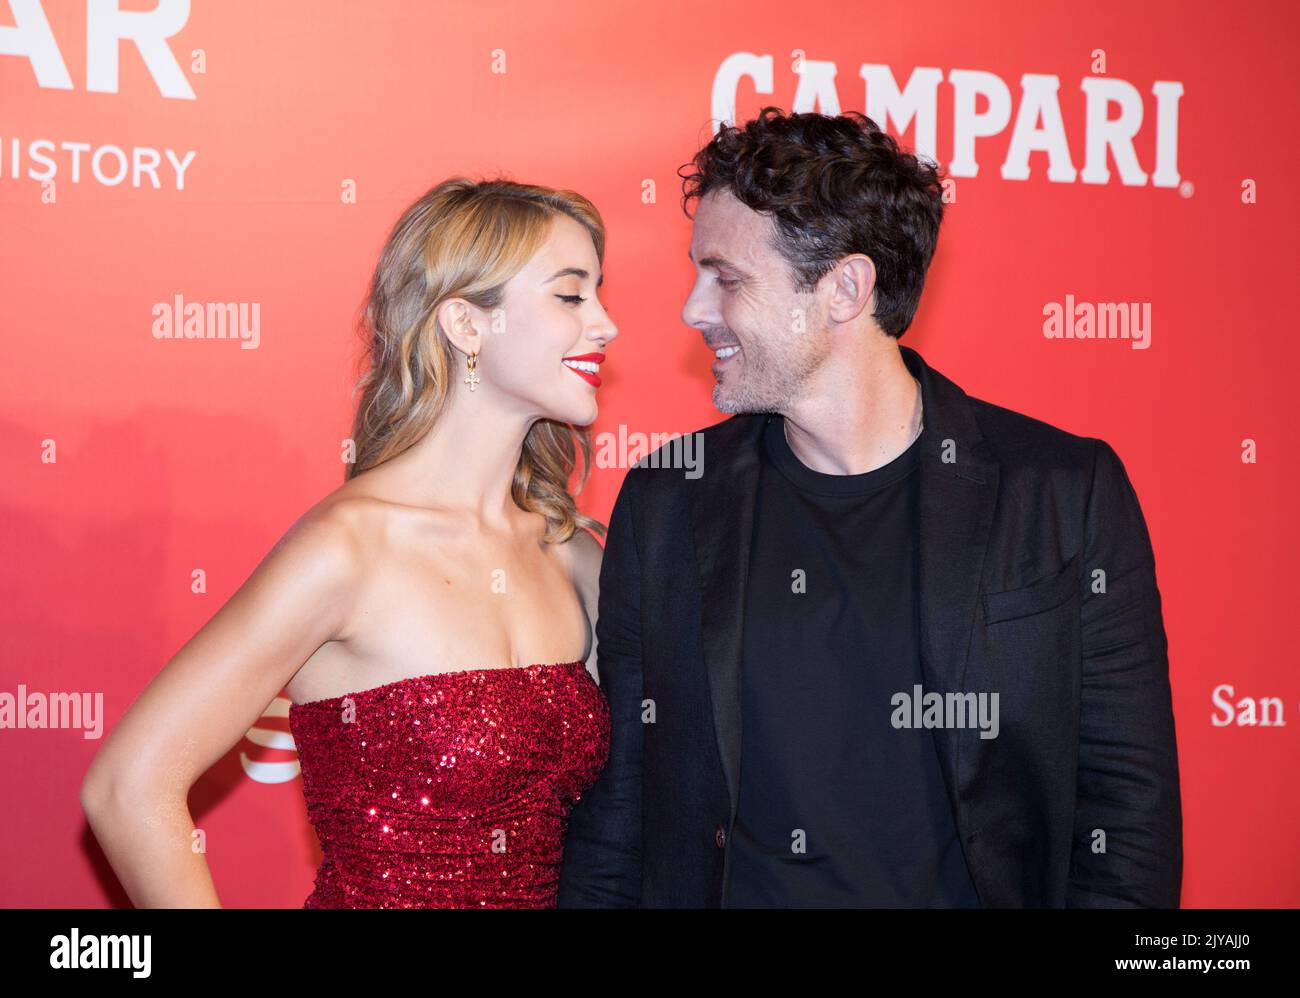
(855, 288)
(456, 316)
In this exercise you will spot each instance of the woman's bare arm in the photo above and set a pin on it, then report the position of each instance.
(204, 700)
(584, 557)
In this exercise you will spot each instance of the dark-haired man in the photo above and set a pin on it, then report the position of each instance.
(865, 659)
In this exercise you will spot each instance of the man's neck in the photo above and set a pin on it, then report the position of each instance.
(856, 420)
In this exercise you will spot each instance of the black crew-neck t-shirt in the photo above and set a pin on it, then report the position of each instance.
(837, 807)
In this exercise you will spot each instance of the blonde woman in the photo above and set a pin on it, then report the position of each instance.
(432, 619)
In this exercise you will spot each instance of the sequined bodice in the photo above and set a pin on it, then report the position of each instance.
(450, 790)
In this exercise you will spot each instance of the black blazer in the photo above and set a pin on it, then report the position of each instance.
(1075, 803)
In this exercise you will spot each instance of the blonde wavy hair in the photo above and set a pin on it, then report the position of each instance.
(462, 239)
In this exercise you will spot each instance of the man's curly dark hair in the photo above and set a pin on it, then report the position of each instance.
(833, 186)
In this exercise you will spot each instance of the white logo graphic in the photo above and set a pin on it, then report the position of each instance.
(1038, 125)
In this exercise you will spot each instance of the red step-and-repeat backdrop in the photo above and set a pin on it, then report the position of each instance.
(155, 153)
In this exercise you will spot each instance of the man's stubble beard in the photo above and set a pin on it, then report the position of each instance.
(767, 385)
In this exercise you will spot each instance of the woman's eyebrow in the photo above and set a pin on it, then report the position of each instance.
(576, 272)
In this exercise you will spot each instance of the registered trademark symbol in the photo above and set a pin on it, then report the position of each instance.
(1186, 188)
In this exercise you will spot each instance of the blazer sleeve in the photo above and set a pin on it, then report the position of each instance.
(1127, 781)
(601, 867)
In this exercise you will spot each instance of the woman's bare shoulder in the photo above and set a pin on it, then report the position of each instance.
(336, 523)
(358, 515)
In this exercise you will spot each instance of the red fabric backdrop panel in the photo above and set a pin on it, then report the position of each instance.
(257, 154)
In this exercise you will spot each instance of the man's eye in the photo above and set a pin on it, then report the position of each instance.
(727, 283)
(571, 299)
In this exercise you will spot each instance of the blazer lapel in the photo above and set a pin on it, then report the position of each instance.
(959, 488)
(722, 516)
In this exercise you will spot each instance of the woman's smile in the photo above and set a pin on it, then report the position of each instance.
(586, 366)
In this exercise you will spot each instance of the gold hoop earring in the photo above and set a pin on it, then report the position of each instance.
(471, 363)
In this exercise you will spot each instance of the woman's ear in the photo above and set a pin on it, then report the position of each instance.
(456, 317)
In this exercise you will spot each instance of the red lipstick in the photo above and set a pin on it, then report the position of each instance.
(591, 377)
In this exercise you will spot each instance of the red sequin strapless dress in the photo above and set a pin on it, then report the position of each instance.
(450, 790)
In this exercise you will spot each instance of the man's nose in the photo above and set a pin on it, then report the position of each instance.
(696, 312)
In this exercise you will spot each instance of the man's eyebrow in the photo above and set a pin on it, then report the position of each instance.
(715, 261)
(576, 272)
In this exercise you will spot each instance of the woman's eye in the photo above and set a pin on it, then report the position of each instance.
(571, 299)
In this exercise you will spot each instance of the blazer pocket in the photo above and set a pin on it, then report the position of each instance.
(1045, 594)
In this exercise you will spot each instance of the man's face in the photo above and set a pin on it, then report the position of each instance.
(744, 297)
